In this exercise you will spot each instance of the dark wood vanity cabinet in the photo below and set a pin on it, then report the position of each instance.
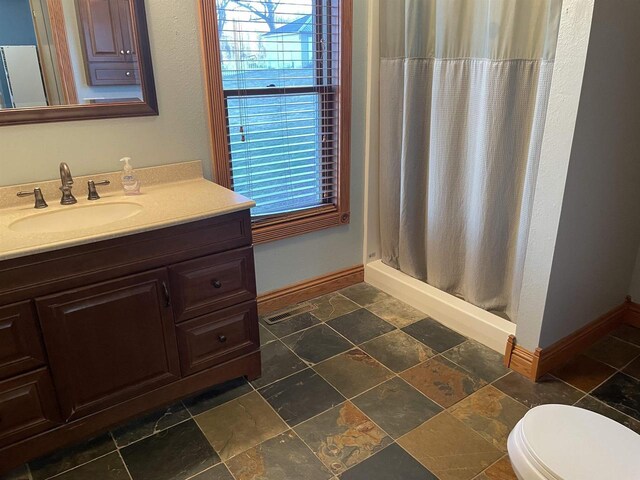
(93, 335)
(108, 41)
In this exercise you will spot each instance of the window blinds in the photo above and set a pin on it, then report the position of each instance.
(280, 75)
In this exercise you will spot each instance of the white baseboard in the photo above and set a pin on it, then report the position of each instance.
(469, 320)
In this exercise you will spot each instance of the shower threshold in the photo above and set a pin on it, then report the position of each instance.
(453, 312)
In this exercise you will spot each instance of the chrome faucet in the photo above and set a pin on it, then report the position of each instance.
(67, 182)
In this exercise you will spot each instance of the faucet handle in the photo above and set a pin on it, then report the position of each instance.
(91, 186)
(37, 193)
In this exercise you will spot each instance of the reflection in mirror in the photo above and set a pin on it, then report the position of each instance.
(68, 52)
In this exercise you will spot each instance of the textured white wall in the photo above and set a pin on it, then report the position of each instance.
(32, 152)
(371, 247)
(598, 238)
(573, 39)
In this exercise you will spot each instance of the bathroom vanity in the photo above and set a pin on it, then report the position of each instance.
(101, 324)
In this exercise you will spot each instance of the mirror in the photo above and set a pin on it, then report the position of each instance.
(74, 59)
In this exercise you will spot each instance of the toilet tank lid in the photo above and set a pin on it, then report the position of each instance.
(574, 443)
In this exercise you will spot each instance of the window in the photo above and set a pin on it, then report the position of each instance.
(278, 84)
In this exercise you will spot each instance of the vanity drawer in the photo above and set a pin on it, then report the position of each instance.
(210, 283)
(27, 406)
(109, 73)
(20, 341)
(215, 338)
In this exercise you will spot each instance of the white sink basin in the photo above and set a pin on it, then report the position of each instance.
(71, 218)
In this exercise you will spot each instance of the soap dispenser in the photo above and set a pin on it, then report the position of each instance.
(130, 183)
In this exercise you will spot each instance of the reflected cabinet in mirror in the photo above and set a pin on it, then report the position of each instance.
(73, 60)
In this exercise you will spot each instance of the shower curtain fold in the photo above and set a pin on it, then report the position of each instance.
(464, 89)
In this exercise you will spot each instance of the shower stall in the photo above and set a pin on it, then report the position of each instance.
(459, 91)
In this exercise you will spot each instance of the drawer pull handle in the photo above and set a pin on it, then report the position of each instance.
(222, 339)
(167, 297)
(216, 283)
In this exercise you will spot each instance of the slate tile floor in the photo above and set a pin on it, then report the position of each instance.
(361, 388)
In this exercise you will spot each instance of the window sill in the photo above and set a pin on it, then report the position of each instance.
(291, 225)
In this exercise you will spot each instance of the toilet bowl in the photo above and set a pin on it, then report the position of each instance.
(560, 442)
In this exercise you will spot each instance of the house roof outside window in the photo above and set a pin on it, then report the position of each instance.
(304, 24)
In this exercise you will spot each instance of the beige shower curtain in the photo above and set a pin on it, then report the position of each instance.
(464, 88)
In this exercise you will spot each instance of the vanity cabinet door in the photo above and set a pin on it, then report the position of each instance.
(109, 42)
(20, 342)
(126, 27)
(100, 23)
(109, 342)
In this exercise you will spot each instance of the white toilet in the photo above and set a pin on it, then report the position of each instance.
(559, 442)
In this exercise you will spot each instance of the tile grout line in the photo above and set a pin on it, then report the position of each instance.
(336, 293)
(346, 399)
(393, 440)
(152, 434)
(505, 393)
(580, 399)
(410, 454)
(627, 364)
(190, 417)
(466, 427)
(494, 463)
(613, 408)
(311, 364)
(286, 376)
(629, 342)
(312, 451)
(126, 467)
(399, 375)
(208, 442)
(295, 331)
(616, 371)
(567, 383)
(310, 418)
(80, 465)
(289, 428)
(306, 367)
(364, 391)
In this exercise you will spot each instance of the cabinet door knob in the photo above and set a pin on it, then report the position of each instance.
(216, 283)
(222, 338)
(128, 74)
(121, 52)
(128, 52)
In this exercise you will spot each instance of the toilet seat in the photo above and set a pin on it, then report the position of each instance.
(560, 442)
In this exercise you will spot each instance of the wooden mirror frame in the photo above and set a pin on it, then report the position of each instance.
(61, 113)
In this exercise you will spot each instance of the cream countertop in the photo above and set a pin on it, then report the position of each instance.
(164, 203)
